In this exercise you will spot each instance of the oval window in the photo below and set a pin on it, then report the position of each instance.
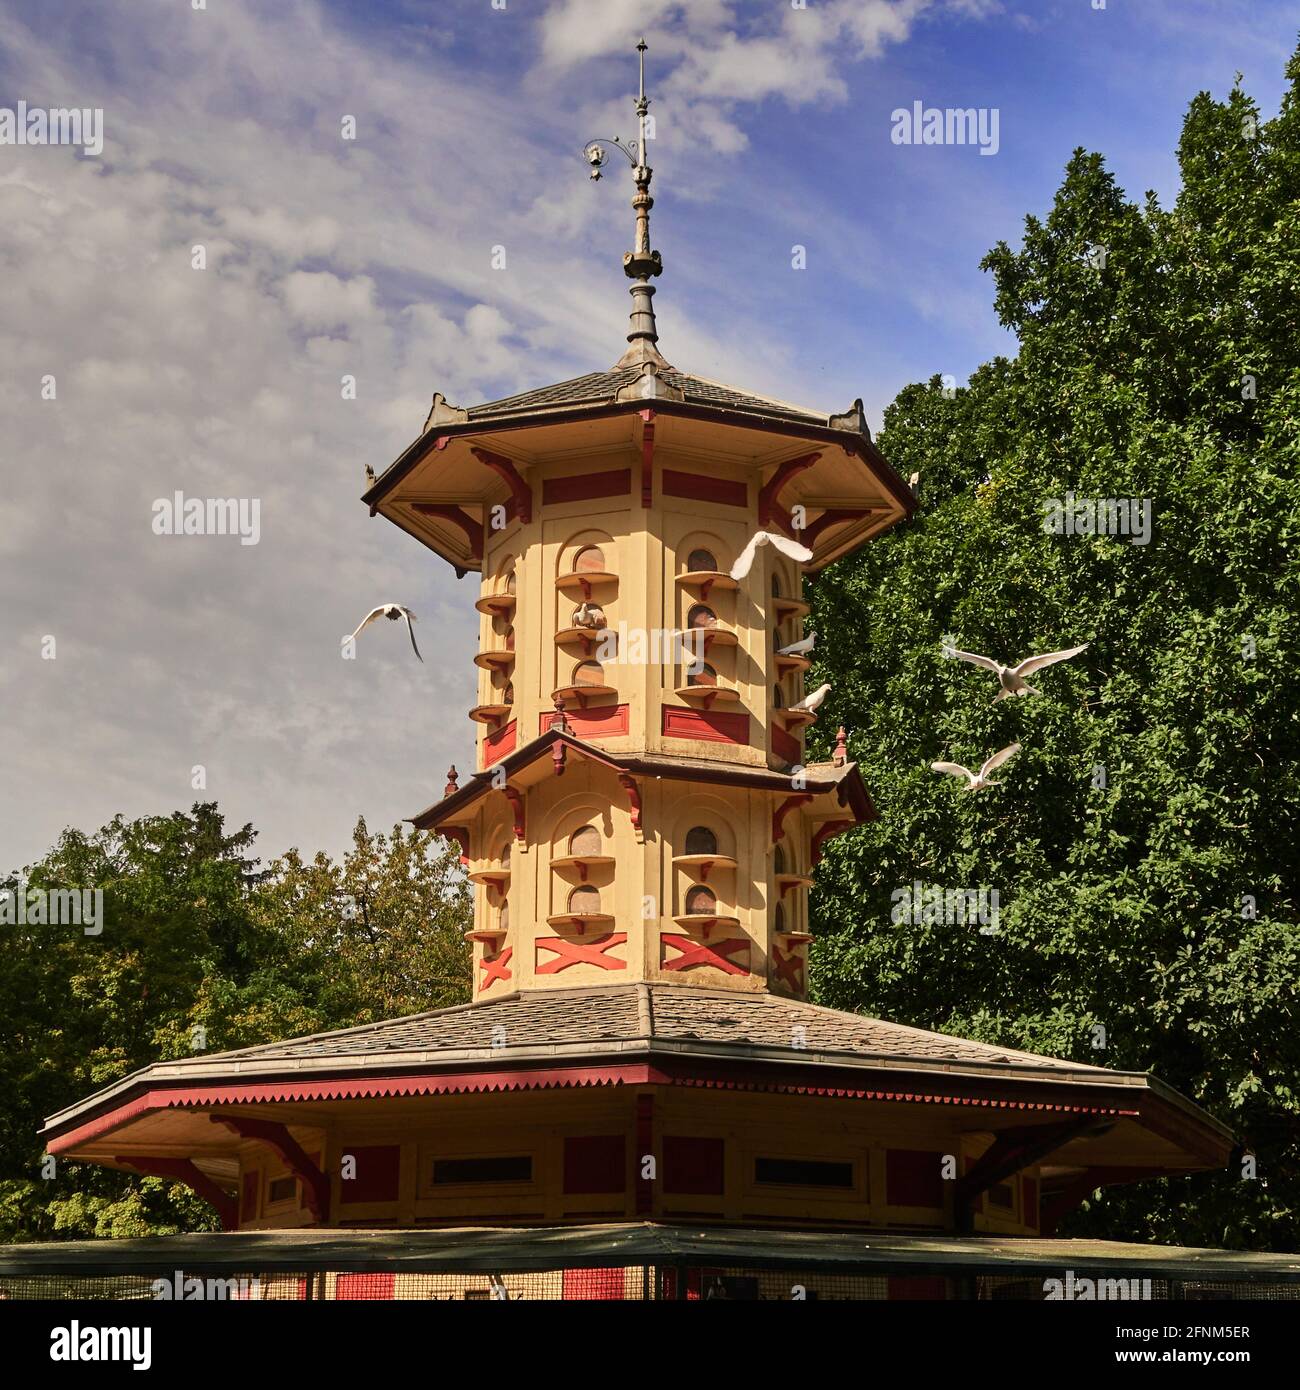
(700, 901)
(701, 840)
(584, 900)
(701, 615)
(585, 840)
(702, 562)
(589, 560)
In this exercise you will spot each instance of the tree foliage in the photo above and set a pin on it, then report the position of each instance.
(1159, 358)
(201, 951)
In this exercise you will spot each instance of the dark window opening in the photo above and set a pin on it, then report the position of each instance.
(702, 562)
(459, 1170)
(803, 1172)
(282, 1190)
(701, 840)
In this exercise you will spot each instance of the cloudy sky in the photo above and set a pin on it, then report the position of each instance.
(373, 257)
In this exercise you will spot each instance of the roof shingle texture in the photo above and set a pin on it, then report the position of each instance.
(619, 1013)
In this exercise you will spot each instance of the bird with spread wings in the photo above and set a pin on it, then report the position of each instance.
(977, 781)
(1011, 679)
(391, 611)
(782, 543)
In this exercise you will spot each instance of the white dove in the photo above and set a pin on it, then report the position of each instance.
(812, 703)
(391, 611)
(786, 546)
(1011, 679)
(587, 615)
(980, 779)
(799, 648)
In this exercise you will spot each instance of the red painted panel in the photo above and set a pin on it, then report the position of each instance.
(499, 743)
(606, 721)
(916, 1288)
(364, 1286)
(248, 1190)
(694, 1166)
(786, 746)
(378, 1167)
(583, 486)
(708, 726)
(913, 1178)
(595, 1164)
(702, 489)
(594, 1283)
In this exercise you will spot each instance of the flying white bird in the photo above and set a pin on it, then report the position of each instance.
(799, 648)
(812, 703)
(1011, 679)
(786, 546)
(977, 780)
(391, 611)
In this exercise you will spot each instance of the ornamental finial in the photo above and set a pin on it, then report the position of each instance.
(640, 263)
(841, 754)
(453, 781)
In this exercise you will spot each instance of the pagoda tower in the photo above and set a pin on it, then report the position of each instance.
(642, 827)
(641, 808)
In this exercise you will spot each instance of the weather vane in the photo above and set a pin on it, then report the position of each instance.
(641, 263)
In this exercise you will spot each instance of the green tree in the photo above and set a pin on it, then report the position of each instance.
(200, 951)
(1159, 359)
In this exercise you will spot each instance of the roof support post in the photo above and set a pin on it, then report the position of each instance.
(1011, 1151)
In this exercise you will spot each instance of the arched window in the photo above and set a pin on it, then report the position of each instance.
(584, 900)
(701, 901)
(778, 860)
(589, 560)
(508, 694)
(503, 917)
(702, 561)
(505, 856)
(701, 840)
(778, 918)
(778, 697)
(510, 638)
(510, 581)
(585, 840)
(701, 615)
(706, 675)
(776, 586)
(588, 673)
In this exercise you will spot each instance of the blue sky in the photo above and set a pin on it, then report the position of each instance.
(373, 257)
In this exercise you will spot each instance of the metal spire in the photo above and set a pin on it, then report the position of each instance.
(641, 263)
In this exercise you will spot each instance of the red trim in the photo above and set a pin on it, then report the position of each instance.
(582, 487)
(833, 516)
(824, 833)
(187, 1171)
(769, 495)
(704, 489)
(495, 968)
(315, 1186)
(645, 1144)
(473, 530)
(500, 743)
(506, 470)
(714, 726)
(516, 800)
(570, 952)
(647, 457)
(629, 785)
(716, 954)
(787, 970)
(783, 810)
(605, 721)
(786, 746)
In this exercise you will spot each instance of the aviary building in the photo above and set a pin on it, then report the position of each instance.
(642, 830)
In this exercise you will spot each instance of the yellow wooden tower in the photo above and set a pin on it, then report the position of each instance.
(642, 809)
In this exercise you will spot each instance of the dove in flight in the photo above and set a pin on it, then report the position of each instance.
(1011, 679)
(812, 703)
(978, 780)
(391, 611)
(801, 648)
(786, 546)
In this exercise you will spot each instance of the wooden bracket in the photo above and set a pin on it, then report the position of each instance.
(315, 1185)
(517, 809)
(473, 530)
(832, 516)
(779, 815)
(628, 783)
(769, 506)
(505, 469)
(187, 1171)
(824, 833)
(1012, 1150)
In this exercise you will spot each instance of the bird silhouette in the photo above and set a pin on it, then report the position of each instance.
(976, 781)
(391, 611)
(782, 543)
(1011, 679)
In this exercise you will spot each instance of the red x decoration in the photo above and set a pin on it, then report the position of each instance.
(569, 953)
(498, 968)
(788, 970)
(706, 953)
